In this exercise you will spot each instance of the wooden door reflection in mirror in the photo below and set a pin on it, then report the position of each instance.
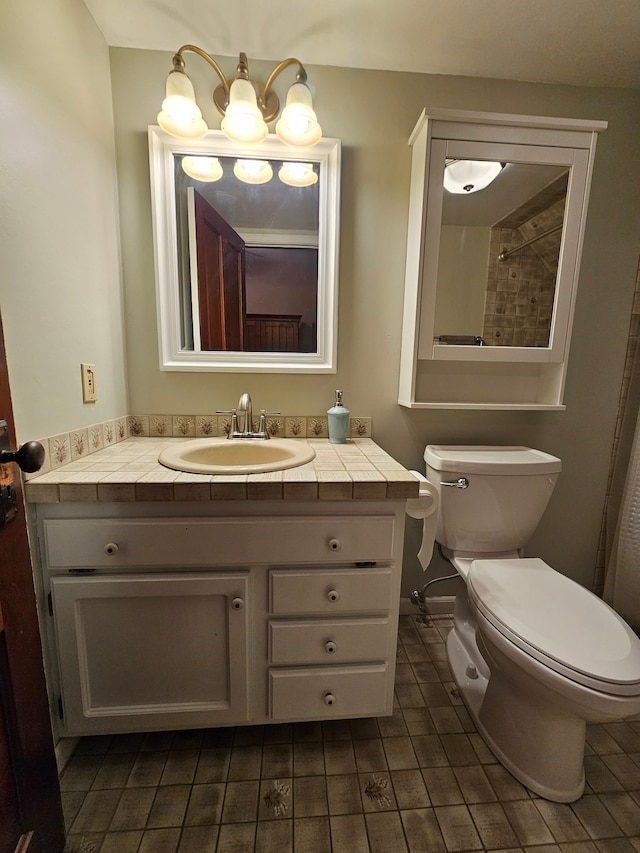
(219, 298)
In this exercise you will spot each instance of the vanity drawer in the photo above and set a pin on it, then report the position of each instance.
(324, 641)
(328, 692)
(321, 591)
(226, 541)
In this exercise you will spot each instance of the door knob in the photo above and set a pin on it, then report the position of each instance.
(29, 457)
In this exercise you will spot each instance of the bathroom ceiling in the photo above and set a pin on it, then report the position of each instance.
(579, 42)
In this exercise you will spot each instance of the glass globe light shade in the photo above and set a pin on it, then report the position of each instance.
(207, 169)
(298, 124)
(180, 115)
(253, 171)
(243, 120)
(298, 174)
(469, 176)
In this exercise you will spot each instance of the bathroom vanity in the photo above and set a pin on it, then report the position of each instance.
(182, 601)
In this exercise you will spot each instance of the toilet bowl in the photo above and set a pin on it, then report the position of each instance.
(535, 655)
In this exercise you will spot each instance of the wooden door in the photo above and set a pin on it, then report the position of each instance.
(30, 808)
(220, 257)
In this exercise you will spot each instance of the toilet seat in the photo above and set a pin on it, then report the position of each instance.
(557, 622)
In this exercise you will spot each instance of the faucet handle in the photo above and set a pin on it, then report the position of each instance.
(233, 430)
(262, 425)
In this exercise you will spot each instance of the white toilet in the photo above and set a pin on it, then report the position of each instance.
(534, 654)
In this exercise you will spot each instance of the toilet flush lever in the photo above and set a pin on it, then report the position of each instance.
(460, 483)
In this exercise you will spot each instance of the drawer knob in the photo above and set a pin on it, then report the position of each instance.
(237, 603)
(330, 647)
(111, 548)
(335, 544)
(329, 699)
(333, 595)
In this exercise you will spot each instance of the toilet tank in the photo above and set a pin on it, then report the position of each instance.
(508, 491)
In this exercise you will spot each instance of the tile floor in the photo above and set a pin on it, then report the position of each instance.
(421, 781)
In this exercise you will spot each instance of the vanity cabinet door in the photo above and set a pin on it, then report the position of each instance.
(144, 652)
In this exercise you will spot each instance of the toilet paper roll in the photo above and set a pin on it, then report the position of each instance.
(425, 507)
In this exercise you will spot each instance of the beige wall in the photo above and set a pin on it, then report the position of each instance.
(60, 287)
(373, 113)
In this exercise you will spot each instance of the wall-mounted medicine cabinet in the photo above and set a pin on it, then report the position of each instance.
(497, 215)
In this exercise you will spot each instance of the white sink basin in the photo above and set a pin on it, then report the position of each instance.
(236, 455)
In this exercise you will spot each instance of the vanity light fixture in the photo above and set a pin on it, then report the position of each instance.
(298, 174)
(470, 176)
(247, 106)
(253, 171)
(207, 169)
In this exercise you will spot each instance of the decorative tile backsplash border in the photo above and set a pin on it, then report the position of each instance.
(70, 446)
(196, 426)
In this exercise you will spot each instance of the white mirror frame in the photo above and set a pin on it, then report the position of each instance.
(162, 148)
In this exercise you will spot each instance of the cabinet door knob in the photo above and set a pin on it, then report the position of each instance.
(330, 699)
(237, 603)
(330, 647)
(333, 595)
(335, 544)
(111, 548)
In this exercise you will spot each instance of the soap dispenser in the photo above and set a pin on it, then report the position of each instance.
(338, 421)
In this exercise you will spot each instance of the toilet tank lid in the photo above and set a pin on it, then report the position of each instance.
(490, 459)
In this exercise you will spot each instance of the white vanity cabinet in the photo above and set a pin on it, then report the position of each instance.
(195, 615)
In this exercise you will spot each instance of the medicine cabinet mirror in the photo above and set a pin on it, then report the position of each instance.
(491, 273)
(246, 260)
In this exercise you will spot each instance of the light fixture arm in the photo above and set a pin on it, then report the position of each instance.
(263, 98)
(179, 65)
(268, 101)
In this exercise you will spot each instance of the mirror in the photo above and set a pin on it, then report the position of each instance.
(499, 255)
(494, 289)
(246, 264)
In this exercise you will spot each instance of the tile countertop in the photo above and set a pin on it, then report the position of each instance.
(130, 471)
